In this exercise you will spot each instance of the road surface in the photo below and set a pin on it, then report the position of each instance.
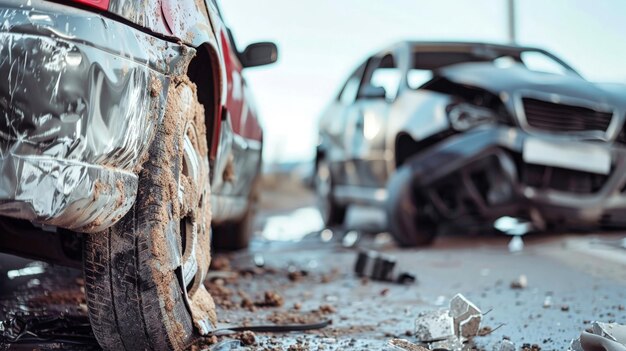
(307, 275)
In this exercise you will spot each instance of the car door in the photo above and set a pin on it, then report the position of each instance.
(332, 128)
(367, 120)
(238, 158)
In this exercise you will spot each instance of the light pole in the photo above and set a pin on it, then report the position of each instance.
(512, 25)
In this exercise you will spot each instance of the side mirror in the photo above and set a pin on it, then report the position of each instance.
(259, 54)
(373, 92)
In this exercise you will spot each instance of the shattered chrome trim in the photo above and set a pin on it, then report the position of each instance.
(80, 98)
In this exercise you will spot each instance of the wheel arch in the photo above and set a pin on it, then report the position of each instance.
(205, 71)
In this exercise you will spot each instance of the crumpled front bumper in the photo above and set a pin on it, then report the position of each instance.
(482, 173)
(80, 98)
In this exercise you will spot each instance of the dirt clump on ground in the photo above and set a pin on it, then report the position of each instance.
(247, 338)
(297, 317)
(222, 295)
(272, 299)
(203, 343)
(326, 309)
(298, 347)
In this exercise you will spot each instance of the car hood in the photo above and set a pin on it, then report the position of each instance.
(517, 79)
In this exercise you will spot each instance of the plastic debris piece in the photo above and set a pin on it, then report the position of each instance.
(592, 342)
(613, 331)
(350, 238)
(603, 337)
(326, 235)
(228, 345)
(402, 344)
(452, 344)
(466, 317)
(575, 345)
(513, 226)
(434, 325)
(448, 329)
(516, 244)
(378, 266)
(547, 302)
(504, 345)
(374, 265)
(259, 260)
(520, 283)
(406, 278)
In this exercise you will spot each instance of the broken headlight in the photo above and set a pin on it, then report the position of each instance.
(464, 116)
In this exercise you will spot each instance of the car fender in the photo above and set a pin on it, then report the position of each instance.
(419, 114)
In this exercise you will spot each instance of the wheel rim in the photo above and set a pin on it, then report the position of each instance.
(189, 273)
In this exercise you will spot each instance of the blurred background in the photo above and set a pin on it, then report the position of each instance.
(322, 41)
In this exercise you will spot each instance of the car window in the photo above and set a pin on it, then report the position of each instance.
(348, 94)
(539, 62)
(388, 78)
(415, 78)
(383, 72)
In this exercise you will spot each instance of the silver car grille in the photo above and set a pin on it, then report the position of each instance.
(559, 117)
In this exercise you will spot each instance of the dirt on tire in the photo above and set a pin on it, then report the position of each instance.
(134, 296)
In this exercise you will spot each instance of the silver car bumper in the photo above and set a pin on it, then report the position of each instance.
(80, 98)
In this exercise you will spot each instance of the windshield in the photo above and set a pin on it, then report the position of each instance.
(425, 62)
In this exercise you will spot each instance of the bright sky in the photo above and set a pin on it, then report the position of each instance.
(321, 41)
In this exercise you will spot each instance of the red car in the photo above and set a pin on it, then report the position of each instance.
(124, 127)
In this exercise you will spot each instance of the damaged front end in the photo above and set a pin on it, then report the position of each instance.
(497, 170)
(79, 103)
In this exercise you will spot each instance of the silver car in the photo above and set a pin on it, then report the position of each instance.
(461, 134)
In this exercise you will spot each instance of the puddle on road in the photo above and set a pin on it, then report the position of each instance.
(293, 226)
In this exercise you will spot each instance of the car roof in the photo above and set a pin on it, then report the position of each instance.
(465, 45)
(437, 54)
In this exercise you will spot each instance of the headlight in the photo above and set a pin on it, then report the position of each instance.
(464, 116)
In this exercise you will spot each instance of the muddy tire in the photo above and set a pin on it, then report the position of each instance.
(332, 212)
(137, 272)
(407, 219)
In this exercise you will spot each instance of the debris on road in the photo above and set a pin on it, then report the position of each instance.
(374, 265)
(247, 338)
(402, 344)
(448, 329)
(466, 316)
(272, 299)
(547, 302)
(504, 345)
(601, 337)
(227, 345)
(434, 325)
(516, 244)
(350, 238)
(33, 330)
(378, 266)
(520, 283)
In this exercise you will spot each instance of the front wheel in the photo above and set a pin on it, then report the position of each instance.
(144, 275)
(407, 218)
(332, 212)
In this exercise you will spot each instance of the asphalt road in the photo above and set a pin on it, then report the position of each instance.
(573, 279)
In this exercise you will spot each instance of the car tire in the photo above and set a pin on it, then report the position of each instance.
(138, 297)
(407, 221)
(235, 235)
(332, 212)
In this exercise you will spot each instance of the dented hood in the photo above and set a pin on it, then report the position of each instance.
(517, 78)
